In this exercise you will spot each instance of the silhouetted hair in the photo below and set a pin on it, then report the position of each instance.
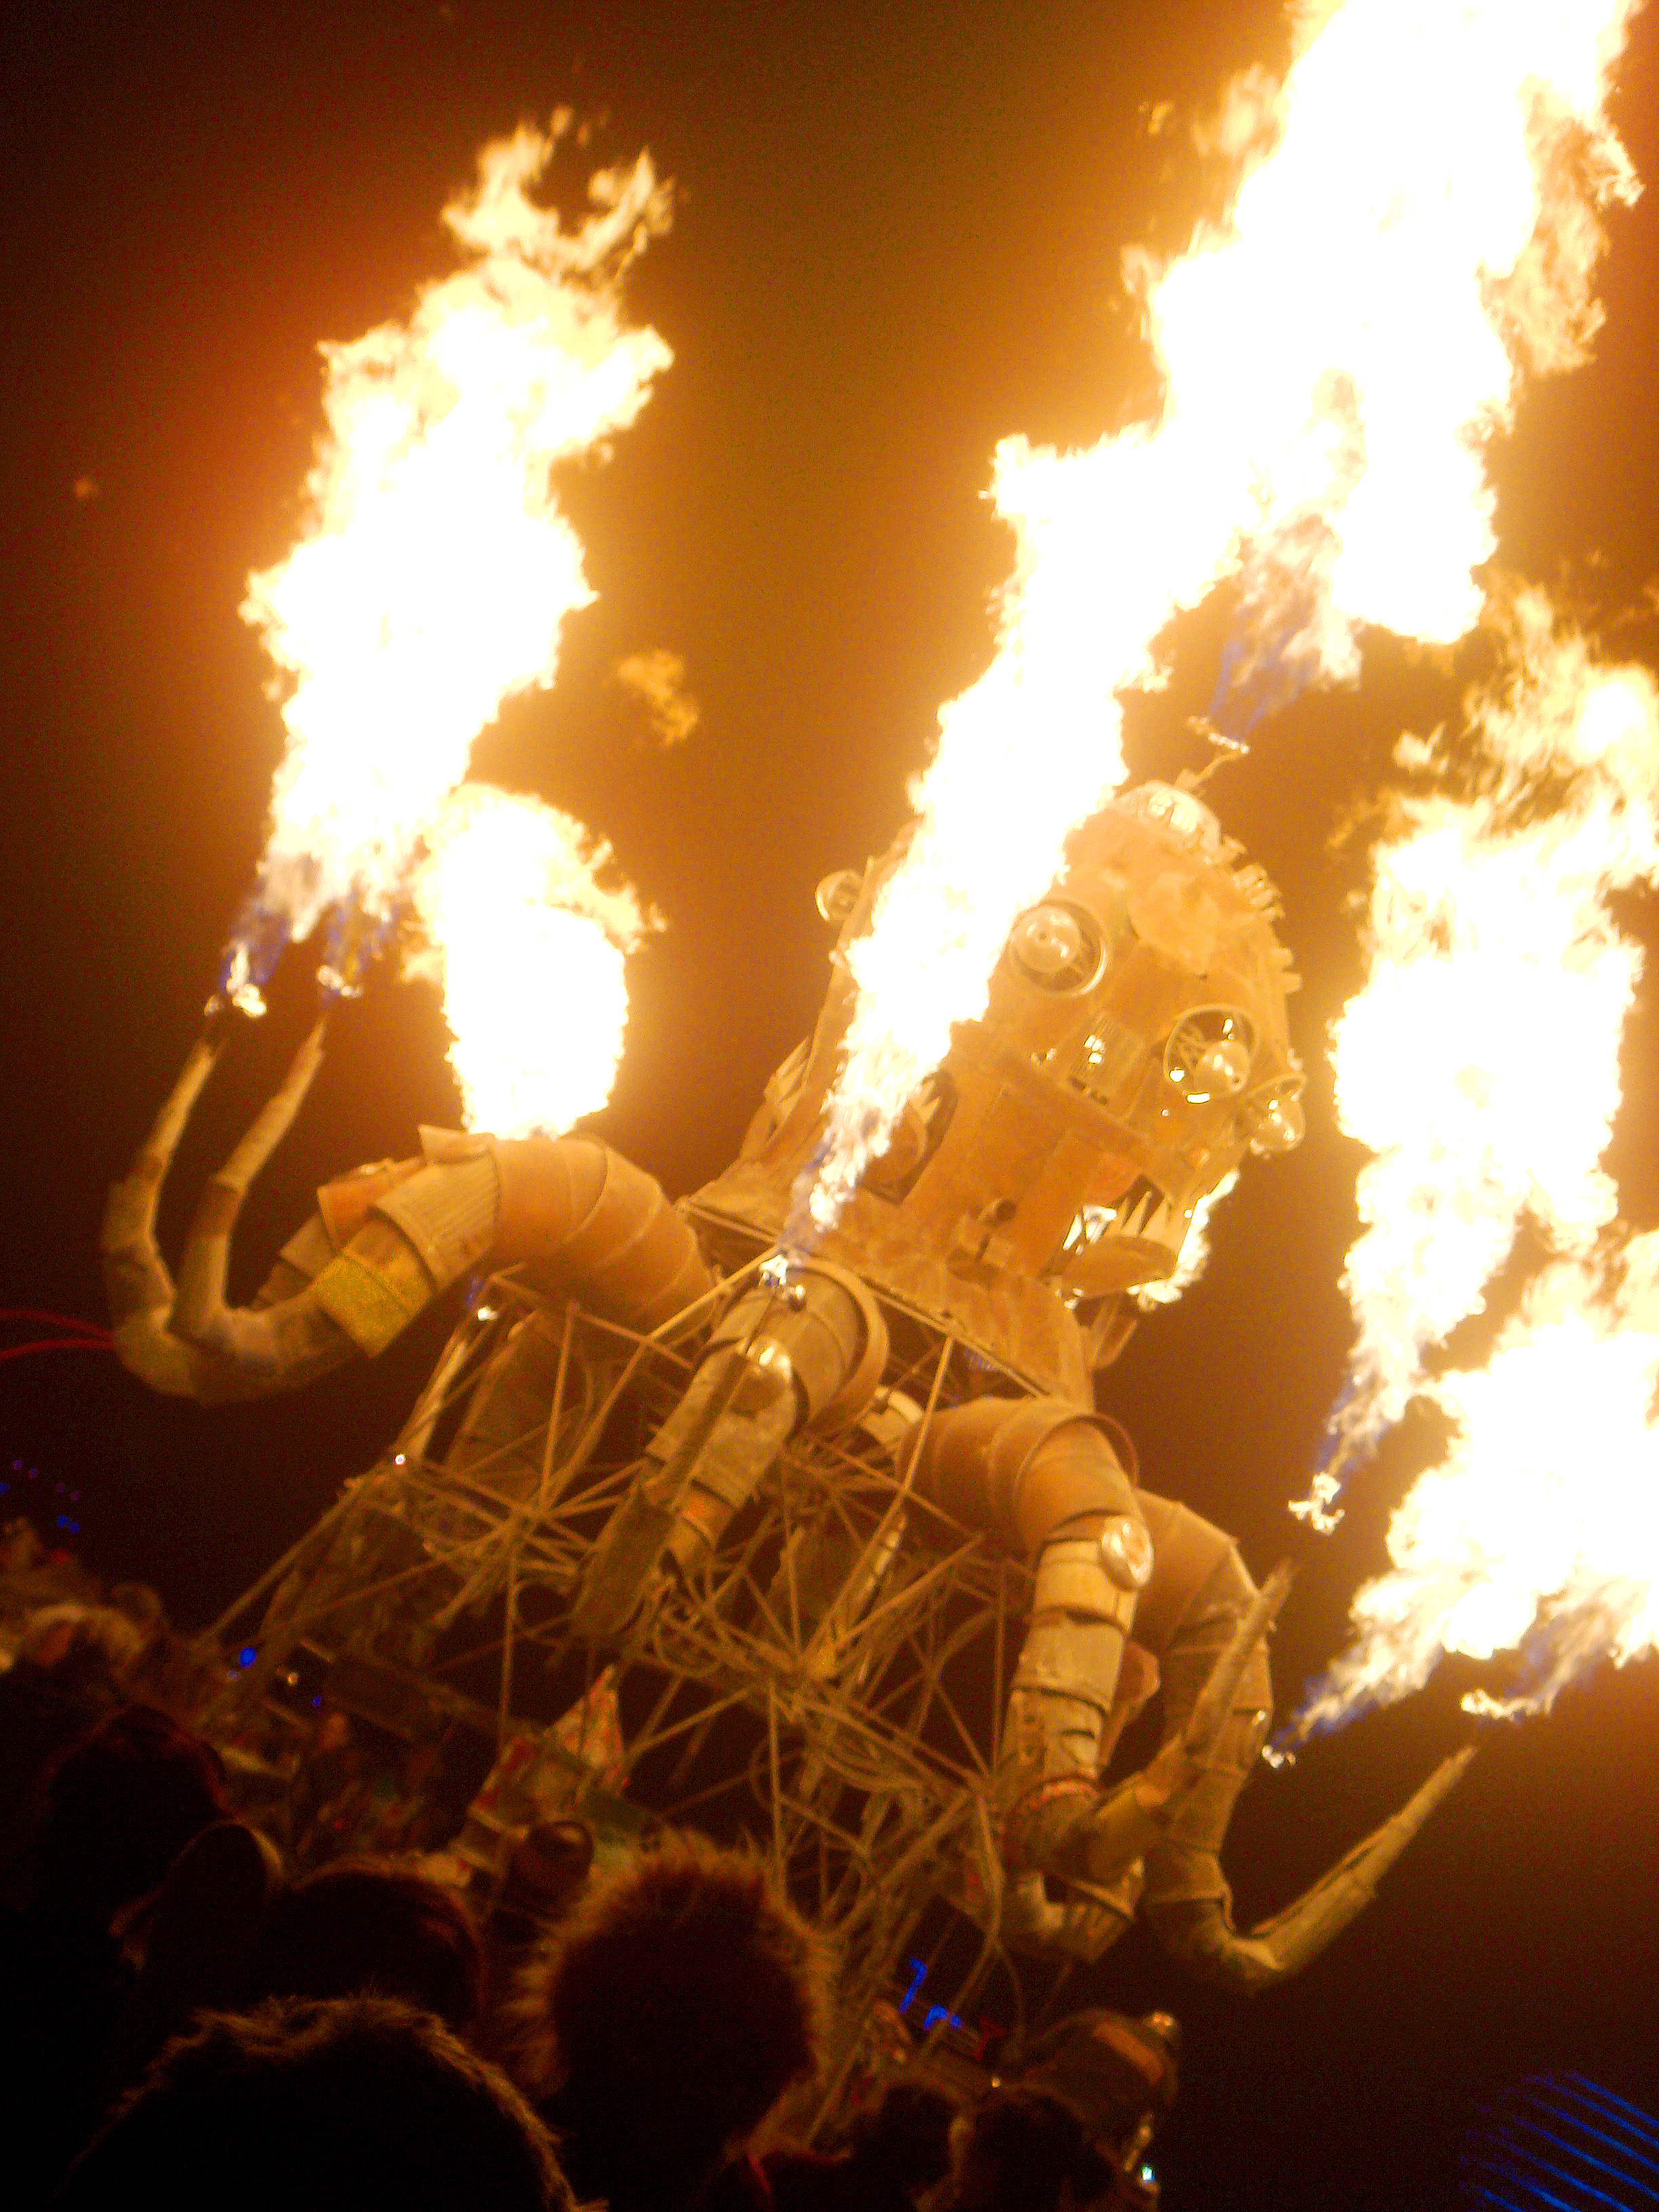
(362, 2105)
(356, 1926)
(118, 1806)
(671, 2012)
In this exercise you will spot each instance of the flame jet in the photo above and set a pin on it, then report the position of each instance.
(1490, 928)
(1538, 1532)
(527, 942)
(1417, 217)
(1489, 925)
(433, 581)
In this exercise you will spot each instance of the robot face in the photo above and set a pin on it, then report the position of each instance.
(1133, 1047)
(1174, 1031)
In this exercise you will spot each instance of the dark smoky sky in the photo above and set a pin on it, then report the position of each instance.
(897, 239)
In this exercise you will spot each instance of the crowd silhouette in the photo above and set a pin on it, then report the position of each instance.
(191, 2015)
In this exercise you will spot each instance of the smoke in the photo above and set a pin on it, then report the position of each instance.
(658, 679)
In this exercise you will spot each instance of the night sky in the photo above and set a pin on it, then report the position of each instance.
(896, 239)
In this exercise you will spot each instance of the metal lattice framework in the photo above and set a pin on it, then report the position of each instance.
(832, 1688)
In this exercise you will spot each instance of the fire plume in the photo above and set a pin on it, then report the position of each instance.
(1538, 1533)
(1480, 1066)
(1417, 217)
(434, 578)
(1489, 932)
(529, 946)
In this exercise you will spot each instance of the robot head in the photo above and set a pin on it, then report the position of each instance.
(1133, 1049)
(1147, 993)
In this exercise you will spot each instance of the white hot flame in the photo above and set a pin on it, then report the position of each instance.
(1333, 359)
(1540, 1530)
(528, 944)
(1480, 1064)
(437, 570)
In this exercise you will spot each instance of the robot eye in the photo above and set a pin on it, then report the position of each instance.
(1057, 947)
(1209, 1054)
(838, 895)
(1273, 1119)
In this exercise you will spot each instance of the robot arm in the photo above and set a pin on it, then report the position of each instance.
(1038, 1475)
(1209, 1623)
(142, 1295)
(382, 1245)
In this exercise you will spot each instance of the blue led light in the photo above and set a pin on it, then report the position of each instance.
(1558, 2142)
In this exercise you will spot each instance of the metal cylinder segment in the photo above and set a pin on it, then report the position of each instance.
(834, 1340)
(1021, 1469)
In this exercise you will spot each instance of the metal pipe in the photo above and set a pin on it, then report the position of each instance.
(1039, 1476)
(778, 1358)
(1035, 1474)
(137, 1284)
(584, 1220)
(199, 1313)
(1218, 1707)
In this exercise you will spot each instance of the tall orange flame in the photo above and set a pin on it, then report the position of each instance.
(1539, 1530)
(1489, 932)
(1480, 1065)
(436, 574)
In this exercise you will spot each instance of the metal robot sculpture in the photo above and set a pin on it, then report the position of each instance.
(840, 1553)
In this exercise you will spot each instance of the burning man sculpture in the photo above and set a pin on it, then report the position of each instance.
(843, 1529)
